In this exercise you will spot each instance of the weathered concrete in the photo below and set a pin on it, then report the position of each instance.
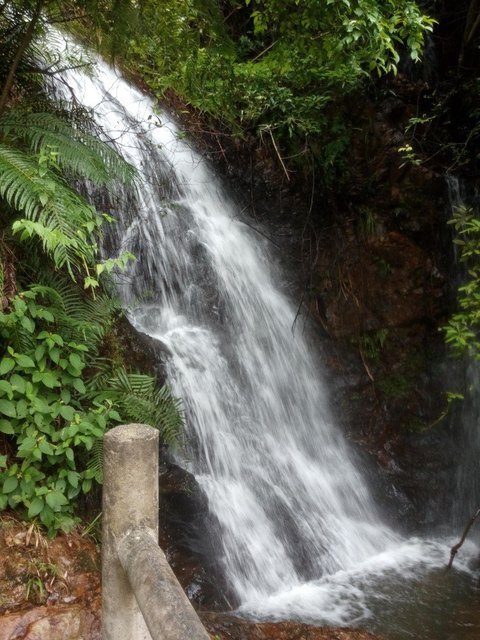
(165, 607)
(130, 500)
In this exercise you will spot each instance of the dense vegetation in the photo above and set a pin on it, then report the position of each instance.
(63, 379)
(281, 70)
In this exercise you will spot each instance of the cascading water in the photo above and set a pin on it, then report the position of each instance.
(466, 422)
(300, 536)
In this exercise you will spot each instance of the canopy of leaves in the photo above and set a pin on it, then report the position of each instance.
(272, 64)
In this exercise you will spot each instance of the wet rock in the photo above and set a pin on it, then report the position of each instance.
(385, 282)
(188, 537)
(227, 627)
(139, 350)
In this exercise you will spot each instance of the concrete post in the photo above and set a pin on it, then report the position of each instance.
(165, 607)
(130, 501)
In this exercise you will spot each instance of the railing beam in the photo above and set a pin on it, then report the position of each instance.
(165, 607)
(130, 500)
(141, 597)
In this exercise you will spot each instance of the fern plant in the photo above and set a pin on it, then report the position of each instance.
(32, 185)
(138, 397)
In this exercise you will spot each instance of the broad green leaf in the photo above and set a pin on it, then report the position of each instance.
(46, 447)
(55, 500)
(25, 361)
(10, 484)
(6, 387)
(54, 354)
(40, 352)
(7, 407)
(79, 385)
(22, 409)
(73, 478)
(76, 361)
(67, 412)
(6, 365)
(36, 506)
(18, 382)
(27, 446)
(50, 380)
(41, 406)
(6, 427)
(28, 324)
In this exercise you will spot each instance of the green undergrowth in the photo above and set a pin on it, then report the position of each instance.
(58, 397)
(63, 382)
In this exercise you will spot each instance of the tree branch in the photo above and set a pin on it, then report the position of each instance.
(457, 546)
(25, 41)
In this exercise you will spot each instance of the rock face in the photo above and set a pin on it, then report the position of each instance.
(191, 554)
(380, 292)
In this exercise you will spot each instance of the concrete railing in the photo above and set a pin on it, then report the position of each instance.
(141, 597)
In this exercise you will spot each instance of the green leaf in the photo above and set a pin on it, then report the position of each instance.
(10, 484)
(76, 361)
(73, 478)
(67, 412)
(27, 446)
(36, 506)
(6, 387)
(40, 352)
(46, 447)
(6, 427)
(25, 361)
(86, 486)
(27, 324)
(6, 365)
(18, 382)
(50, 379)
(79, 385)
(41, 406)
(8, 408)
(54, 354)
(22, 409)
(55, 500)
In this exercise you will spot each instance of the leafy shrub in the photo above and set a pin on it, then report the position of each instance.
(50, 412)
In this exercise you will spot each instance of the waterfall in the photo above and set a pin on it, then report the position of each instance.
(466, 420)
(299, 533)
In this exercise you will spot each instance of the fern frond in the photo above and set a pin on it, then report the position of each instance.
(20, 185)
(79, 152)
(95, 461)
(138, 398)
(53, 212)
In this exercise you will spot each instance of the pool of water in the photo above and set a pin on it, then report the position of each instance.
(403, 593)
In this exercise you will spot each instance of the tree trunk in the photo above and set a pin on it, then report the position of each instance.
(25, 41)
